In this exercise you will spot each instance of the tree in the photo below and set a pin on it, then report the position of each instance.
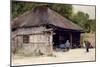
(65, 10)
(92, 23)
(19, 8)
(81, 19)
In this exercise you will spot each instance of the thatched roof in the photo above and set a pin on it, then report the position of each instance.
(43, 15)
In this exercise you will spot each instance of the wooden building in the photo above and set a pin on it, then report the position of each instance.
(41, 29)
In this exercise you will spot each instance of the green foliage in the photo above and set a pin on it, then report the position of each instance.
(82, 19)
(92, 23)
(63, 9)
(19, 8)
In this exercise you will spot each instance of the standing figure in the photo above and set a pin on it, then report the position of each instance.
(67, 45)
(87, 45)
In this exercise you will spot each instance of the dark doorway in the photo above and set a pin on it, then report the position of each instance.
(60, 37)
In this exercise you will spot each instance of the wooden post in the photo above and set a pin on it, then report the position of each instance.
(71, 40)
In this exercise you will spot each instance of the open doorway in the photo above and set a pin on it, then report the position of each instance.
(59, 38)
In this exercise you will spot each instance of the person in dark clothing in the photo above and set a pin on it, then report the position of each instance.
(87, 43)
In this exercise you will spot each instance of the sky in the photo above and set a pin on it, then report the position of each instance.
(86, 9)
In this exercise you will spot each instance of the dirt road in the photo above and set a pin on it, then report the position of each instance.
(74, 55)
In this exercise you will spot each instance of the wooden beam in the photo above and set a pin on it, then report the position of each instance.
(71, 40)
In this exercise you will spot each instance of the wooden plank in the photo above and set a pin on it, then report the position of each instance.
(71, 40)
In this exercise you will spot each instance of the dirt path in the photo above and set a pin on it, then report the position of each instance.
(74, 55)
